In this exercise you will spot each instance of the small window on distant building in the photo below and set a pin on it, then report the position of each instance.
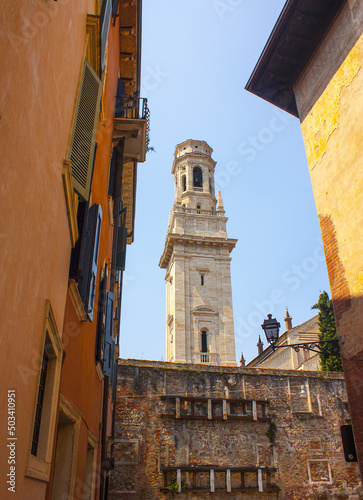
(184, 183)
(202, 280)
(204, 341)
(210, 185)
(198, 208)
(197, 177)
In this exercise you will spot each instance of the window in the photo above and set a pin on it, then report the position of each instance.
(120, 97)
(75, 267)
(87, 281)
(204, 341)
(210, 185)
(202, 279)
(45, 409)
(77, 254)
(40, 401)
(90, 469)
(198, 208)
(184, 182)
(197, 177)
(64, 476)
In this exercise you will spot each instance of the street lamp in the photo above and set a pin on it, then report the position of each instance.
(271, 328)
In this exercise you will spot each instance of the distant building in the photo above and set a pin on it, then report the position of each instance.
(312, 67)
(199, 326)
(289, 359)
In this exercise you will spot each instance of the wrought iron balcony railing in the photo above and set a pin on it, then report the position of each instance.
(133, 107)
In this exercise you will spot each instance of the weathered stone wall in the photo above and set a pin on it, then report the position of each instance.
(257, 433)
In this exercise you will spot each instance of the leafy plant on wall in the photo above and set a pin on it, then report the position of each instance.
(174, 486)
(330, 358)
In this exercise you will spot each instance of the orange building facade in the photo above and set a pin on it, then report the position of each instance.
(72, 132)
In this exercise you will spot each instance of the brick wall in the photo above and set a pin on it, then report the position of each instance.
(226, 432)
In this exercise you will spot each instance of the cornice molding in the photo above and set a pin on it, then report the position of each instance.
(196, 156)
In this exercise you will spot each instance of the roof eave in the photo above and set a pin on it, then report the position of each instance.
(282, 73)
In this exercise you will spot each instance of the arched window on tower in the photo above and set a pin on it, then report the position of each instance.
(204, 341)
(197, 177)
(198, 208)
(210, 185)
(184, 182)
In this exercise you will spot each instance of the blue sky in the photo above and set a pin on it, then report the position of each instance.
(196, 59)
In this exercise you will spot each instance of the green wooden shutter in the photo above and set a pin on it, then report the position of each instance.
(111, 179)
(107, 10)
(108, 353)
(81, 151)
(88, 278)
(101, 316)
(121, 241)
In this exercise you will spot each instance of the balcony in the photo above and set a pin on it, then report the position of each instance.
(210, 358)
(132, 122)
(196, 211)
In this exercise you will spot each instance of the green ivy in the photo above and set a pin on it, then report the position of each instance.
(174, 486)
(271, 432)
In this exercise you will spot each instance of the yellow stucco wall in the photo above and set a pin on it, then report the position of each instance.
(333, 136)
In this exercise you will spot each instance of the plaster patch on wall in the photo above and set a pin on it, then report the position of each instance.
(324, 117)
(358, 285)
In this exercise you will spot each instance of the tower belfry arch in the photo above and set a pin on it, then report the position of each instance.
(196, 256)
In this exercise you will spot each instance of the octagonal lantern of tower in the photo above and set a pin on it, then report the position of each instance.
(199, 311)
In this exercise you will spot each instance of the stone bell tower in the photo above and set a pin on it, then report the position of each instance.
(199, 313)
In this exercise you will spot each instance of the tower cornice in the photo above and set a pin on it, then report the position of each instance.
(196, 156)
(173, 238)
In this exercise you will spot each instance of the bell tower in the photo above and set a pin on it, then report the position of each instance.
(199, 312)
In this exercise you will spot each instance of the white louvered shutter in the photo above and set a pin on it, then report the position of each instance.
(83, 139)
